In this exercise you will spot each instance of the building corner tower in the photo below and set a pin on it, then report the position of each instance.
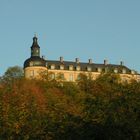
(34, 65)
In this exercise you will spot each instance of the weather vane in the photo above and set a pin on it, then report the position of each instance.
(35, 34)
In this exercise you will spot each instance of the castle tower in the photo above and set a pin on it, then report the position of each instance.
(34, 65)
(35, 49)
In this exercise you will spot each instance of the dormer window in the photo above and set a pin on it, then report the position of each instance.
(61, 67)
(70, 67)
(31, 63)
(99, 69)
(88, 68)
(132, 72)
(124, 71)
(52, 67)
(78, 68)
(106, 69)
(115, 70)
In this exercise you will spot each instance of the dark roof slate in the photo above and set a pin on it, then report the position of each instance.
(83, 66)
(37, 61)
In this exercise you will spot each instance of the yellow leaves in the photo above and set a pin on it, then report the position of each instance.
(17, 127)
(32, 109)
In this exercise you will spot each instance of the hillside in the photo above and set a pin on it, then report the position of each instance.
(57, 110)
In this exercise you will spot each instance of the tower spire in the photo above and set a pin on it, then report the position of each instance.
(35, 35)
(35, 49)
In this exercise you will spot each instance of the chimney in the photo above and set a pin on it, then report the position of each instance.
(121, 63)
(90, 61)
(105, 62)
(77, 60)
(43, 57)
(61, 59)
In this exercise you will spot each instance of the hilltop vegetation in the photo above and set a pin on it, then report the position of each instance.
(56, 110)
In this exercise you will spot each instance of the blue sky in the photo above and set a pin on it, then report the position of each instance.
(97, 29)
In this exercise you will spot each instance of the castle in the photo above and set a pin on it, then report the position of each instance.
(68, 70)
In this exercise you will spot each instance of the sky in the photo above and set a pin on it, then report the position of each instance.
(97, 29)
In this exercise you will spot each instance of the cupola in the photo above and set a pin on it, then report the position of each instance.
(35, 59)
(35, 49)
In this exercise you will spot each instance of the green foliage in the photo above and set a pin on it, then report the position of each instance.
(85, 82)
(12, 73)
(58, 110)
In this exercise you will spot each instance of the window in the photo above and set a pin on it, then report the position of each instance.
(99, 69)
(61, 67)
(31, 63)
(52, 75)
(52, 67)
(88, 68)
(71, 77)
(79, 77)
(70, 67)
(78, 68)
(37, 63)
(115, 70)
(132, 72)
(124, 71)
(31, 73)
(106, 70)
(60, 76)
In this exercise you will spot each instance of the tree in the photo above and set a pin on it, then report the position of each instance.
(85, 82)
(12, 73)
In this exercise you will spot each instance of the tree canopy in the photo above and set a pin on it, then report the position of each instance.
(14, 72)
(86, 110)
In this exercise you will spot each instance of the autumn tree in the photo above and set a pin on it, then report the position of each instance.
(12, 73)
